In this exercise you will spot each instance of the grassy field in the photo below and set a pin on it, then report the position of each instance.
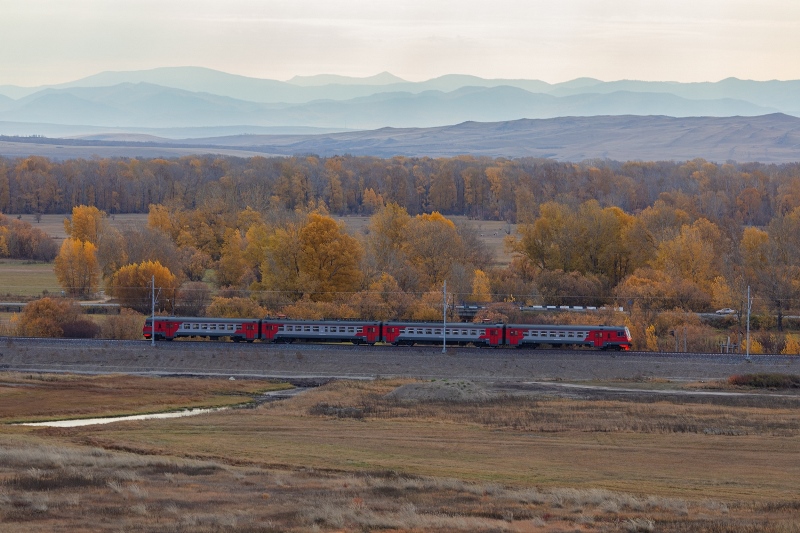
(36, 397)
(22, 280)
(346, 457)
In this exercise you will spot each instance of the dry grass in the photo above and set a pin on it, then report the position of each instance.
(90, 489)
(567, 465)
(37, 397)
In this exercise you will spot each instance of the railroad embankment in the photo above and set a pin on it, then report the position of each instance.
(361, 362)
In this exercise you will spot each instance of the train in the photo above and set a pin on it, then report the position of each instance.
(278, 330)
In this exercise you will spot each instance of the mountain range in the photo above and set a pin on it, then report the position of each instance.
(770, 139)
(195, 103)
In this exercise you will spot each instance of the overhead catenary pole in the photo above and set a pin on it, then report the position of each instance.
(153, 311)
(444, 318)
(747, 340)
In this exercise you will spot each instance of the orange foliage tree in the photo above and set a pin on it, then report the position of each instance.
(131, 286)
(76, 267)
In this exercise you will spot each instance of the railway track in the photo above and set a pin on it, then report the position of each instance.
(325, 361)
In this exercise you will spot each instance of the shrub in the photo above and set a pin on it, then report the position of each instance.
(82, 328)
(766, 381)
(127, 325)
(47, 317)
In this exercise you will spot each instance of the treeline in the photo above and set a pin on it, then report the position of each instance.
(663, 240)
(483, 188)
(20, 240)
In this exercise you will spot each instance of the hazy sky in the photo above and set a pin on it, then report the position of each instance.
(52, 41)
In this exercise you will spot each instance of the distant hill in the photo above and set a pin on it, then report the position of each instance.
(144, 105)
(194, 102)
(384, 78)
(771, 138)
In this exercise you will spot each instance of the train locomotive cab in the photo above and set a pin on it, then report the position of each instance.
(599, 337)
(169, 328)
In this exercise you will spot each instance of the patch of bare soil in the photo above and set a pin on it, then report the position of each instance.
(440, 390)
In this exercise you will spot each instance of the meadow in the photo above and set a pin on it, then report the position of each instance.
(357, 456)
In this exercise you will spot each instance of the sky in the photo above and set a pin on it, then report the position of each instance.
(54, 41)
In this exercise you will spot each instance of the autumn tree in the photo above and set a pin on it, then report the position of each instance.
(76, 267)
(315, 257)
(768, 268)
(235, 307)
(50, 317)
(131, 286)
(696, 254)
(192, 299)
(383, 300)
(87, 224)
(385, 242)
(433, 245)
(481, 289)
(329, 258)
(232, 265)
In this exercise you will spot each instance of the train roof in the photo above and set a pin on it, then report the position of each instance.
(205, 320)
(557, 327)
(322, 322)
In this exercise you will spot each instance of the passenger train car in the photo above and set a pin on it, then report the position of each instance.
(394, 333)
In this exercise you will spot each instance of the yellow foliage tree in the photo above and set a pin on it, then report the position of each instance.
(792, 345)
(329, 258)
(87, 223)
(651, 340)
(232, 265)
(131, 285)
(159, 218)
(481, 290)
(76, 267)
(755, 347)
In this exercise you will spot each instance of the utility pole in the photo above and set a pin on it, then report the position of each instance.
(444, 318)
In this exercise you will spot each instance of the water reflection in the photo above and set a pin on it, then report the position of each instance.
(108, 420)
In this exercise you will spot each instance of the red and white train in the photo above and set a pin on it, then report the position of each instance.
(394, 333)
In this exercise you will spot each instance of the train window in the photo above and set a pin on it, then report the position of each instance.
(315, 328)
(230, 327)
(351, 329)
(552, 333)
(561, 334)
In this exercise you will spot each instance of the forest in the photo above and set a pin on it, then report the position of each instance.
(233, 237)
